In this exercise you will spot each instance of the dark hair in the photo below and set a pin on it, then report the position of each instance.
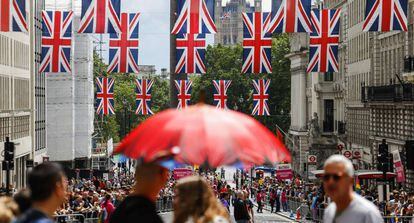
(22, 198)
(42, 180)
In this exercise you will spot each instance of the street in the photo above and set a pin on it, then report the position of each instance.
(262, 217)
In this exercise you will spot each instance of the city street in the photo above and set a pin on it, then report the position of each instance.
(262, 217)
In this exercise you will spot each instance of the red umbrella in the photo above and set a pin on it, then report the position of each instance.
(203, 134)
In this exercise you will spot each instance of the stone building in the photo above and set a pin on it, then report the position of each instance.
(17, 100)
(229, 22)
(373, 96)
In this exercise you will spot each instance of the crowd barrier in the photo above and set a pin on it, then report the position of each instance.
(398, 219)
(164, 204)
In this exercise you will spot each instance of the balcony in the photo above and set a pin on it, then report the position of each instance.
(388, 93)
(408, 74)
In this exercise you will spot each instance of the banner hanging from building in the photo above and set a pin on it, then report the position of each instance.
(399, 169)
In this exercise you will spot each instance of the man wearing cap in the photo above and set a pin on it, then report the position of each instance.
(347, 206)
(139, 206)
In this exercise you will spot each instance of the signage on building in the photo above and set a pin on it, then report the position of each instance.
(399, 169)
(312, 159)
(179, 173)
(347, 154)
(284, 172)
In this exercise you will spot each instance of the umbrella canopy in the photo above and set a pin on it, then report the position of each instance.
(204, 135)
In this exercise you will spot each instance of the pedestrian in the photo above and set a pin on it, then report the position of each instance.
(346, 206)
(241, 213)
(224, 201)
(259, 200)
(107, 209)
(48, 191)
(22, 198)
(272, 198)
(150, 178)
(195, 202)
(277, 199)
(284, 200)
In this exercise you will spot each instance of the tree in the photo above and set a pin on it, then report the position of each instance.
(118, 125)
(224, 63)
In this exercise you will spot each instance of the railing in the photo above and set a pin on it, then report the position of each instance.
(398, 219)
(388, 93)
(164, 204)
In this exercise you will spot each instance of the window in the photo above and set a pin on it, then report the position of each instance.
(4, 128)
(328, 76)
(21, 127)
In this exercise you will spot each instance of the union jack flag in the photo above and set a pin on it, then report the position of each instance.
(194, 17)
(56, 41)
(184, 93)
(100, 16)
(143, 97)
(385, 15)
(123, 47)
(13, 16)
(257, 44)
(291, 16)
(105, 96)
(260, 97)
(324, 41)
(220, 93)
(191, 51)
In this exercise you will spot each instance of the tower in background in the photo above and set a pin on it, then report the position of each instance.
(229, 20)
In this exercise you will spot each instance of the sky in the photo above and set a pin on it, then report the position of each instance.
(153, 31)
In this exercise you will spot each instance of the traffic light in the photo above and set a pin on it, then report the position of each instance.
(409, 154)
(8, 151)
(383, 157)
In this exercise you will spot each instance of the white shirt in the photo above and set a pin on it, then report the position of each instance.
(360, 210)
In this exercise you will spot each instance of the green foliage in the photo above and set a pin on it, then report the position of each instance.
(224, 63)
(118, 125)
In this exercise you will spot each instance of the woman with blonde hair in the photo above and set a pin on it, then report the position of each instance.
(195, 202)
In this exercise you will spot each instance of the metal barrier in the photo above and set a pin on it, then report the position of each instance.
(398, 219)
(164, 204)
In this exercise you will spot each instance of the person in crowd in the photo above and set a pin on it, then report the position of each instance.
(283, 199)
(140, 205)
(224, 201)
(241, 213)
(107, 209)
(22, 198)
(272, 199)
(278, 192)
(9, 209)
(346, 206)
(48, 191)
(259, 200)
(195, 202)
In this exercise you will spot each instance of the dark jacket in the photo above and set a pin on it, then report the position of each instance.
(135, 209)
(240, 210)
(34, 216)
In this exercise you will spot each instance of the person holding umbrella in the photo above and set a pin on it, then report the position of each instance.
(150, 178)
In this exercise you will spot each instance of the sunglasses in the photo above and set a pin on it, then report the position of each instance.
(335, 177)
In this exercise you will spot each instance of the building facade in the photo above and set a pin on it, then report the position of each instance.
(372, 94)
(16, 101)
(229, 21)
(39, 83)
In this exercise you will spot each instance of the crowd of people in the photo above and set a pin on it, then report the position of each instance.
(205, 197)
